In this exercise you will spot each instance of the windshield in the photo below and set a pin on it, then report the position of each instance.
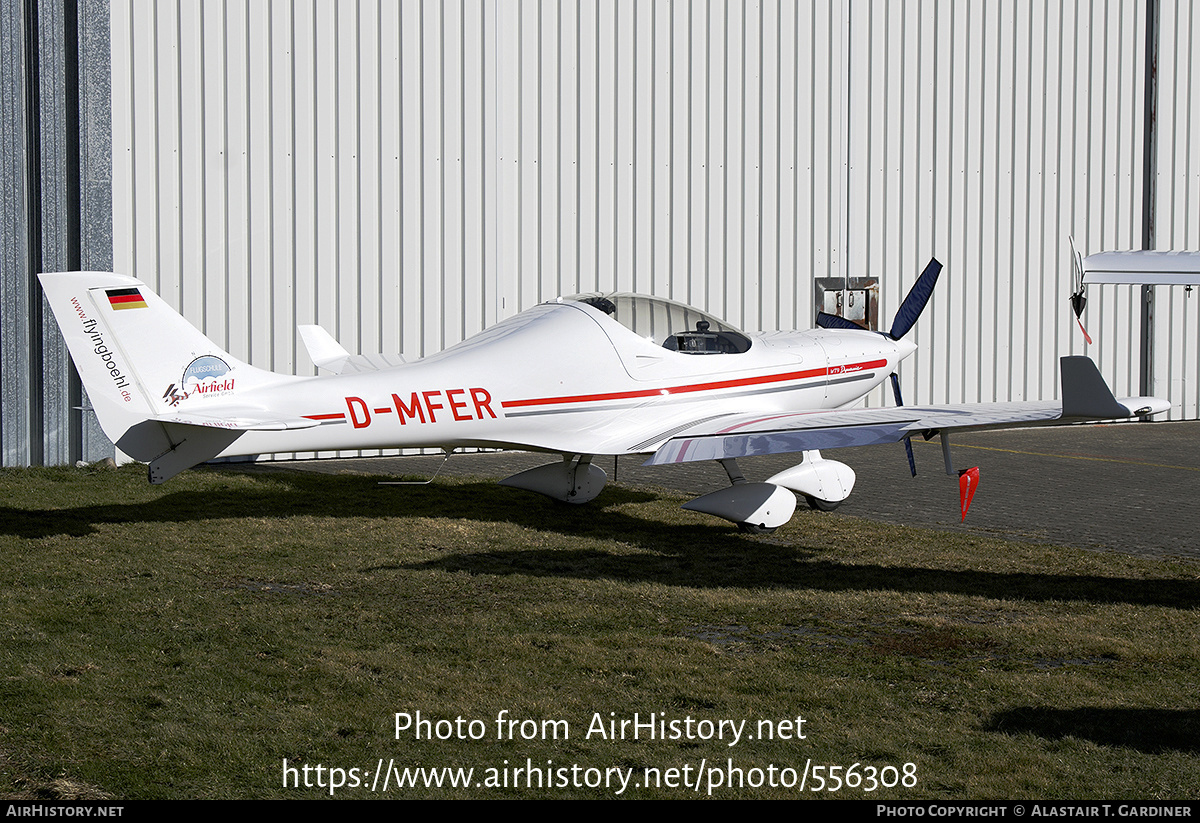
(670, 324)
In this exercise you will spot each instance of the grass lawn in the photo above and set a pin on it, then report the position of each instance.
(186, 640)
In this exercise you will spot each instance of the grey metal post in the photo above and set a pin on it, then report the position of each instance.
(1149, 172)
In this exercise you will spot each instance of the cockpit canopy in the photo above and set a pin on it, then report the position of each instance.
(678, 327)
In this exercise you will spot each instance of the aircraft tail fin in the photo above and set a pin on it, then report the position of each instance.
(140, 360)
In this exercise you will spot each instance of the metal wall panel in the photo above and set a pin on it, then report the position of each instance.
(406, 174)
(15, 178)
(95, 179)
(55, 145)
(1177, 201)
(986, 134)
(54, 390)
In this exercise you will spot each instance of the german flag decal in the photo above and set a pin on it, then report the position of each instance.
(125, 298)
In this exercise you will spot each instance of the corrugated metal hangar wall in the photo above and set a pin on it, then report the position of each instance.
(407, 173)
(55, 166)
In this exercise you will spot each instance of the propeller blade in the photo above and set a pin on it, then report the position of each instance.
(914, 302)
(912, 463)
(833, 321)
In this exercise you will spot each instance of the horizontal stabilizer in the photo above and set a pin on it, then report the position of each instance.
(189, 445)
(239, 419)
(171, 443)
(328, 354)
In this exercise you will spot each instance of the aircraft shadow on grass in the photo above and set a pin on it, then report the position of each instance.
(1153, 731)
(779, 567)
(700, 555)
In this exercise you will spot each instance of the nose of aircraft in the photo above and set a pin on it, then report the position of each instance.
(904, 348)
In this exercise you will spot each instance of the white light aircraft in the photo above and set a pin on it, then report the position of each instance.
(570, 377)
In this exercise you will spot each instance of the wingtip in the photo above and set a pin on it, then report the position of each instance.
(1085, 394)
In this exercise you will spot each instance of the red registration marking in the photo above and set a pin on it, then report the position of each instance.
(420, 406)
(695, 387)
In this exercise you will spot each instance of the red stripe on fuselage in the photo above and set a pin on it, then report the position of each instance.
(695, 387)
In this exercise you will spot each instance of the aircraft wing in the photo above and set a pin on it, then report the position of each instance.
(1085, 397)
